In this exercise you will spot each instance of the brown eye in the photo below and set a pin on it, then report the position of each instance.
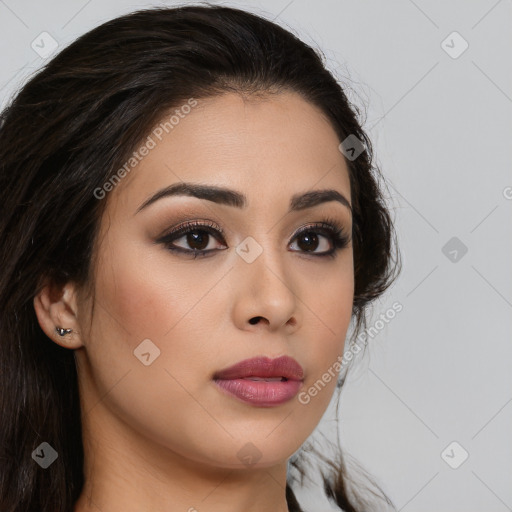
(312, 238)
(309, 241)
(197, 238)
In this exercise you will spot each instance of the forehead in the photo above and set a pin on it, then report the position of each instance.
(268, 146)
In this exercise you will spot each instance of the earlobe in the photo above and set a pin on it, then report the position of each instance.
(56, 311)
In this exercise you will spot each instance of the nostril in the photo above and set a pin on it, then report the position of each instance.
(255, 320)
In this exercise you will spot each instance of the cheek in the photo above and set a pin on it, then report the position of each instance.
(147, 295)
(331, 307)
(328, 304)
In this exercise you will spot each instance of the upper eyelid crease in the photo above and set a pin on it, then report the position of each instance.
(236, 199)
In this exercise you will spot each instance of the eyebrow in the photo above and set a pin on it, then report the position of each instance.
(236, 199)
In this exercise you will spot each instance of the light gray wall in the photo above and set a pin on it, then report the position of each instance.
(441, 123)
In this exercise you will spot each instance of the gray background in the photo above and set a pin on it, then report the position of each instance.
(441, 126)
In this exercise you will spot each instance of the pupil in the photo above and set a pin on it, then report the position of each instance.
(194, 238)
(313, 240)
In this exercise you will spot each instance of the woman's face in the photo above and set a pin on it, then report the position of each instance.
(164, 323)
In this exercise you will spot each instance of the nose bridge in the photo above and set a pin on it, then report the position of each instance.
(263, 277)
(262, 256)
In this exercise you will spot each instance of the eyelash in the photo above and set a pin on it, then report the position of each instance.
(328, 227)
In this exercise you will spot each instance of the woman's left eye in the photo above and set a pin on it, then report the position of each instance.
(318, 240)
(311, 240)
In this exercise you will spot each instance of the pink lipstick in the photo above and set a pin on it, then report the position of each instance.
(262, 381)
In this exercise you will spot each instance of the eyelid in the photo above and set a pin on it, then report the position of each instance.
(187, 225)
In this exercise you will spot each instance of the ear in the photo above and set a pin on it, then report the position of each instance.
(56, 306)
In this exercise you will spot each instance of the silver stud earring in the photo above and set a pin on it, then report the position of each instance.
(62, 332)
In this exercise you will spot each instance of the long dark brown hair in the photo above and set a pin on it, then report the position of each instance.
(65, 133)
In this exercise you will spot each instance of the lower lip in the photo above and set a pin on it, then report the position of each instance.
(261, 393)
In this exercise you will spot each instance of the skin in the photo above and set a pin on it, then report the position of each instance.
(163, 437)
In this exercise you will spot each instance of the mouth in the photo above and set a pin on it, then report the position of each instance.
(262, 381)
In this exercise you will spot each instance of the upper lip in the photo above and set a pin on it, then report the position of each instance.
(283, 366)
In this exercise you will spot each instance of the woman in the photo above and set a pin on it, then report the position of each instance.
(190, 221)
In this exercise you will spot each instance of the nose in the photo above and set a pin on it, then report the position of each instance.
(265, 295)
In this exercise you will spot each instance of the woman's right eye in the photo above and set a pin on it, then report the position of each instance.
(197, 236)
